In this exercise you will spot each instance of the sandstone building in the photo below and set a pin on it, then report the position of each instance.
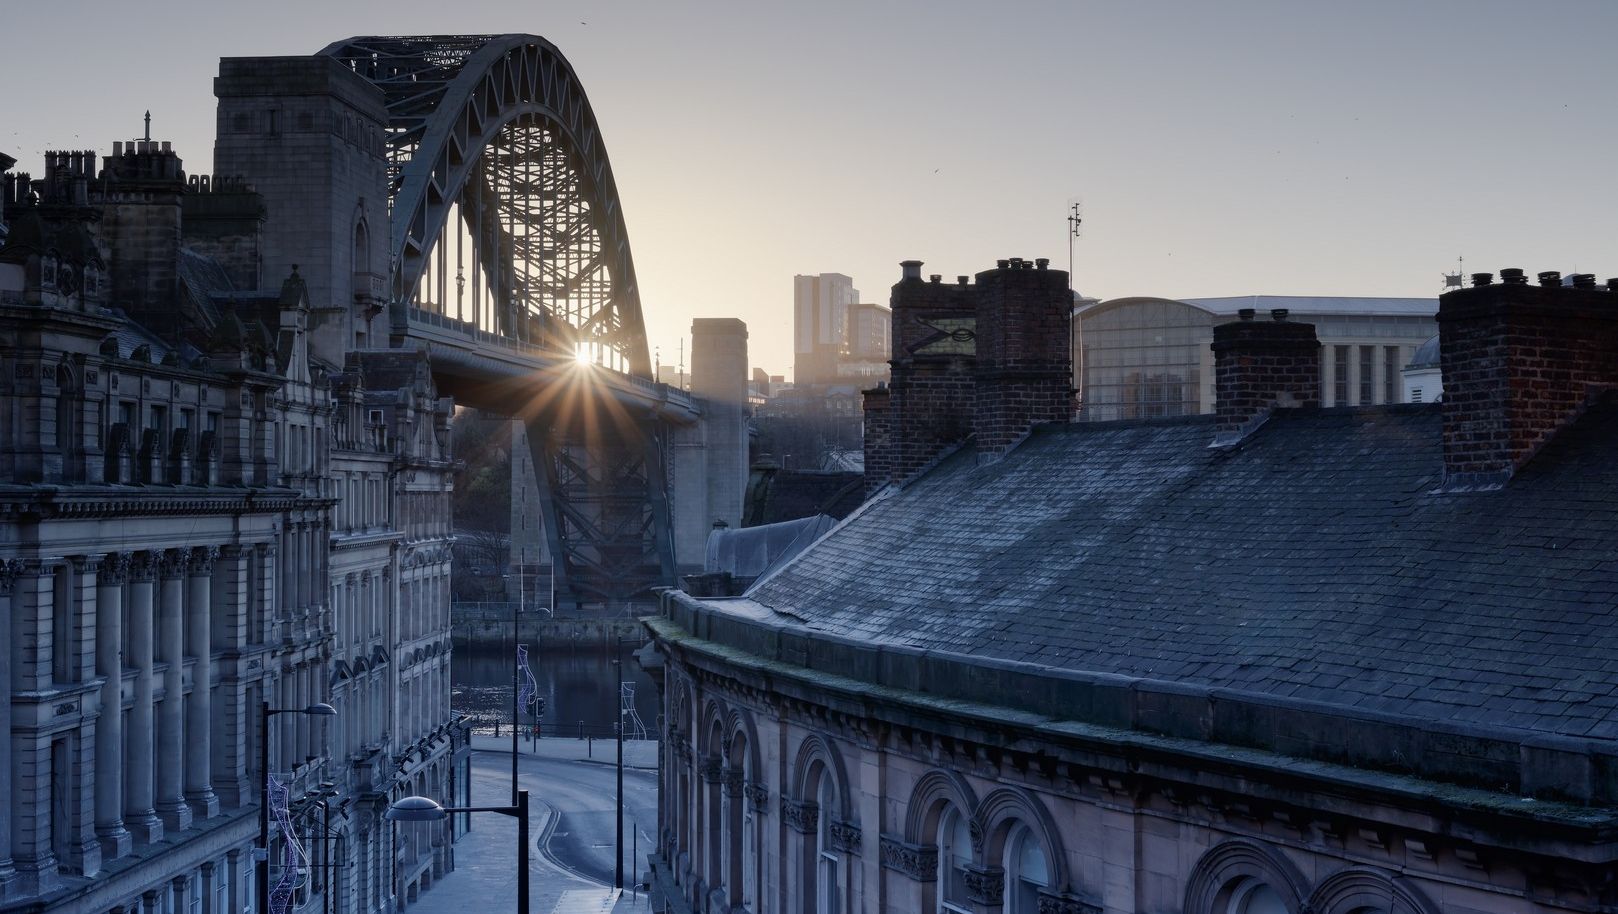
(213, 495)
(1279, 658)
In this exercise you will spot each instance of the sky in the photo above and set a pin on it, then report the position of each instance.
(1231, 148)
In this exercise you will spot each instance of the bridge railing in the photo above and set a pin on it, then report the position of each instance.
(406, 315)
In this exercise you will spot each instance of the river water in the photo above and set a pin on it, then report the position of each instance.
(580, 686)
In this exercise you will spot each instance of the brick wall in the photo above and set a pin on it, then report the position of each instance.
(931, 394)
(1024, 356)
(1260, 365)
(878, 437)
(1519, 362)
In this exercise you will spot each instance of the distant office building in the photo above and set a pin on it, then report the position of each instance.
(674, 376)
(820, 307)
(865, 353)
(1143, 357)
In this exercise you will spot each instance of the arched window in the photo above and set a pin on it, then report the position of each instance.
(954, 856)
(1251, 896)
(1026, 872)
(827, 891)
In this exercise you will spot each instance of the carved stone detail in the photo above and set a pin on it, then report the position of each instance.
(8, 576)
(918, 861)
(711, 772)
(202, 559)
(114, 569)
(845, 837)
(758, 796)
(173, 563)
(733, 779)
(974, 828)
(1065, 904)
(801, 817)
(985, 885)
(143, 567)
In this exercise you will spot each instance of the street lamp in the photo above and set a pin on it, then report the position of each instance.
(319, 709)
(426, 809)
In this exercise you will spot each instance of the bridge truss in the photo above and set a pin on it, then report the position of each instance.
(505, 225)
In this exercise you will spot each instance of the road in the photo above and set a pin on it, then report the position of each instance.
(570, 859)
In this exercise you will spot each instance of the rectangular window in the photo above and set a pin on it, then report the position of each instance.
(1367, 375)
(1340, 376)
(1390, 380)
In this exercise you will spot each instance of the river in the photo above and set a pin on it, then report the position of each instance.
(579, 687)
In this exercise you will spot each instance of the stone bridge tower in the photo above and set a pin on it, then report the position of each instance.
(308, 135)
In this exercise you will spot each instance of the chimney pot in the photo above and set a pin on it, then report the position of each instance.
(936, 277)
(1042, 263)
(1002, 264)
(1584, 280)
(963, 279)
(1245, 314)
(1612, 284)
(1482, 279)
(1512, 276)
(1279, 314)
(1550, 278)
(911, 269)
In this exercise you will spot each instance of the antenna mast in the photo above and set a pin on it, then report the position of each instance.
(1074, 220)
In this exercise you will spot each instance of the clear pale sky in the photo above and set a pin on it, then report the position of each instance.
(1218, 148)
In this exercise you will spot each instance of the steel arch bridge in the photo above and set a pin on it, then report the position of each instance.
(510, 262)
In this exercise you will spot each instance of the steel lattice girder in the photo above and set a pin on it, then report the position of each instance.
(504, 118)
(449, 98)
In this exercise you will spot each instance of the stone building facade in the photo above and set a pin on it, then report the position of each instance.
(201, 511)
(1282, 658)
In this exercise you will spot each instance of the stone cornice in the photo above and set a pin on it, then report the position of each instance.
(1111, 753)
(81, 502)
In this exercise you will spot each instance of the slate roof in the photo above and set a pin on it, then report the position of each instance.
(1316, 560)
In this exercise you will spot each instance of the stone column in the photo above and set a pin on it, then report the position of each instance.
(140, 813)
(232, 724)
(115, 839)
(236, 881)
(151, 901)
(179, 886)
(171, 753)
(210, 904)
(199, 710)
(8, 873)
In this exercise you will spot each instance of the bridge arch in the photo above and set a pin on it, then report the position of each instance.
(495, 133)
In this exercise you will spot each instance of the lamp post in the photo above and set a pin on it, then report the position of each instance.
(319, 709)
(425, 809)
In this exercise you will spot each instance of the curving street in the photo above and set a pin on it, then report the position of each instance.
(571, 857)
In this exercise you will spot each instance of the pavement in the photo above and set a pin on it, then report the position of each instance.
(572, 786)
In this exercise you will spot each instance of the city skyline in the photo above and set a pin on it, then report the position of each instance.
(1399, 140)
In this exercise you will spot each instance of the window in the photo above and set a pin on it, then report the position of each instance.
(954, 856)
(1026, 872)
(1367, 375)
(1390, 374)
(826, 887)
(1254, 897)
(1339, 376)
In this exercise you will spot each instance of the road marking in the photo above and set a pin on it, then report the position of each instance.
(586, 901)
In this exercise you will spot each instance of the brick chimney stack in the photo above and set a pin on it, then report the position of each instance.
(930, 397)
(1519, 363)
(1260, 366)
(1024, 370)
(989, 359)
